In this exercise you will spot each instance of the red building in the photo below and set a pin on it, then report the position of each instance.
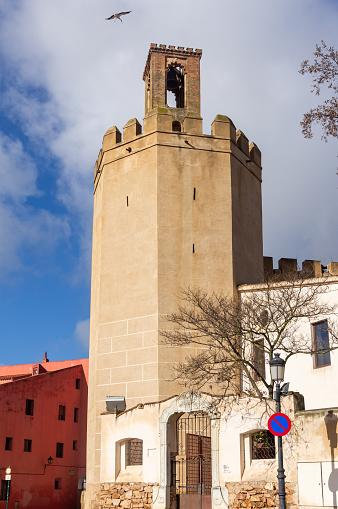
(43, 433)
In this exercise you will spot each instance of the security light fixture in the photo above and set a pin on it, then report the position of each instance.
(115, 404)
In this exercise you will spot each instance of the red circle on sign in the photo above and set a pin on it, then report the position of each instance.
(277, 422)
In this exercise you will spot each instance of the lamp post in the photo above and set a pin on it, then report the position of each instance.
(8, 479)
(277, 368)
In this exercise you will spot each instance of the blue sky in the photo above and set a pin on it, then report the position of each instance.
(67, 75)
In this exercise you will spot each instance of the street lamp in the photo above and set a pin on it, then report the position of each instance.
(277, 368)
(8, 479)
(50, 460)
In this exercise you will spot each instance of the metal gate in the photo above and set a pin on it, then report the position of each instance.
(191, 467)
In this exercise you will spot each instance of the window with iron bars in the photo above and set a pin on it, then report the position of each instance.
(263, 445)
(134, 452)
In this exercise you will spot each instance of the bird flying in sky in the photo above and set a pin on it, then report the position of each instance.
(117, 15)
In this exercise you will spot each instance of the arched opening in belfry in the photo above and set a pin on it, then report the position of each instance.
(175, 87)
(176, 126)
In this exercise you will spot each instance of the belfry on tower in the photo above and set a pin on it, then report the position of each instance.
(173, 208)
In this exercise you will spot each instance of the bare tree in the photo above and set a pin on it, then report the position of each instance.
(324, 71)
(234, 339)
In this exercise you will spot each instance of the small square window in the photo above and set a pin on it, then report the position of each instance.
(58, 483)
(76, 415)
(62, 413)
(59, 449)
(77, 383)
(321, 344)
(74, 445)
(9, 443)
(27, 445)
(29, 406)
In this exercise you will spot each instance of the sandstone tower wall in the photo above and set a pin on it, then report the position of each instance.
(173, 208)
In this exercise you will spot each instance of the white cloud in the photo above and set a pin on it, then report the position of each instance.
(73, 75)
(18, 172)
(81, 332)
(22, 227)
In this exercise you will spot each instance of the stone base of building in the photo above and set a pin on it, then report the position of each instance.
(126, 495)
(242, 495)
(259, 494)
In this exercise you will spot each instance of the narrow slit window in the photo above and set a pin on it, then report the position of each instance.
(127, 201)
(193, 248)
(194, 193)
(76, 415)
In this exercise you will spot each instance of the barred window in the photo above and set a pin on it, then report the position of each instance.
(134, 452)
(263, 445)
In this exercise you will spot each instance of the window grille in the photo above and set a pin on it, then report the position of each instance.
(134, 452)
(263, 445)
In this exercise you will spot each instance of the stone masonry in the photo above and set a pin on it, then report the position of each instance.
(257, 494)
(126, 495)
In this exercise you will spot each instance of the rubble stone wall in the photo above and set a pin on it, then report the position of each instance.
(126, 495)
(242, 495)
(257, 494)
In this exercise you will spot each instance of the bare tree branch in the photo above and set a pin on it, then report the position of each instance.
(324, 71)
(229, 334)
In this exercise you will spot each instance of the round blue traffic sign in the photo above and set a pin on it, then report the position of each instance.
(279, 424)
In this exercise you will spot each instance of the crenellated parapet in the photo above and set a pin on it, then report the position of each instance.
(223, 127)
(288, 269)
(169, 50)
(163, 121)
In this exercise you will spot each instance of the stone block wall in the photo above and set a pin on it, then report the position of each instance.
(126, 495)
(257, 494)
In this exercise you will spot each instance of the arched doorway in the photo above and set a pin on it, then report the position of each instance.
(186, 403)
(191, 478)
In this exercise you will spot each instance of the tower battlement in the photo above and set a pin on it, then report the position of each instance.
(162, 121)
(288, 268)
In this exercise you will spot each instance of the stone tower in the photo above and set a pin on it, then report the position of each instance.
(172, 208)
